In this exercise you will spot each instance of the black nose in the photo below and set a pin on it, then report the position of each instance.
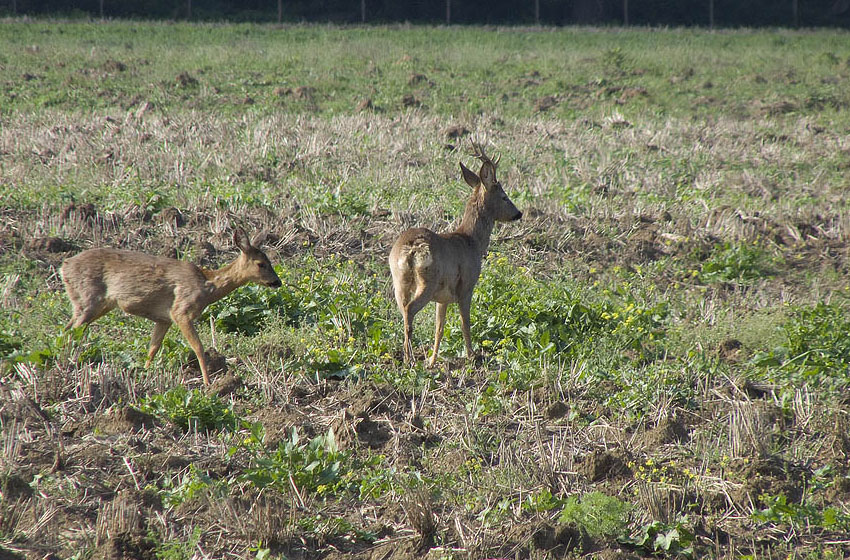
(518, 216)
(275, 284)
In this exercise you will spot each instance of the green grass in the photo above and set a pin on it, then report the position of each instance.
(469, 70)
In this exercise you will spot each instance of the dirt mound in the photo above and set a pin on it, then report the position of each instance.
(372, 434)
(126, 547)
(122, 526)
(521, 539)
(668, 430)
(416, 79)
(14, 487)
(113, 66)
(545, 103)
(604, 465)
(557, 410)
(86, 213)
(456, 131)
(402, 549)
(171, 216)
(226, 384)
(370, 418)
(304, 93)
(614, 554)
(409, 100)
(50, 245)
(185, 80)
(9, 555)
(279, 420)
(767, 475)
(125, 420)
(730, 350)
(559, 539)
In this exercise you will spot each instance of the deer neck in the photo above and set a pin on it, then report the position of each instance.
(476, 225)
(223, 281)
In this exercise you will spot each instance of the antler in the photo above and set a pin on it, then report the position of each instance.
(478, 152)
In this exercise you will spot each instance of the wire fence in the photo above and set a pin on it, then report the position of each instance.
(702, 13)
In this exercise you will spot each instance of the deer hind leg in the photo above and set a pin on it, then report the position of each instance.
(159, 330)
(191, 335)
(407, 291)
(86, 314)
(76, 306)
(465, 304)
(408, 334)
(439, 323)
(409, 310)
(401, 301)
(88, 301)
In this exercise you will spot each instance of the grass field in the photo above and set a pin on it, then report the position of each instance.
(663, 350)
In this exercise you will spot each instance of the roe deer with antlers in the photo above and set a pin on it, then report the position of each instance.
(161, 289)
(444, 267)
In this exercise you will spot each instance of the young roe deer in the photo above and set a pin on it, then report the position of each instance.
(161, 289)
(444, 267)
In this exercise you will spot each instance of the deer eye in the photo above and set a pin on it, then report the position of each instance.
(261, 265)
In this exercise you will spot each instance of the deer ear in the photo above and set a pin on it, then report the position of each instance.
(487, 173)
(259, 239)
(469, 176)
(241, 240)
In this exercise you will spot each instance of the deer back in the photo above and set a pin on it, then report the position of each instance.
(156, 287)
(140, 284)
